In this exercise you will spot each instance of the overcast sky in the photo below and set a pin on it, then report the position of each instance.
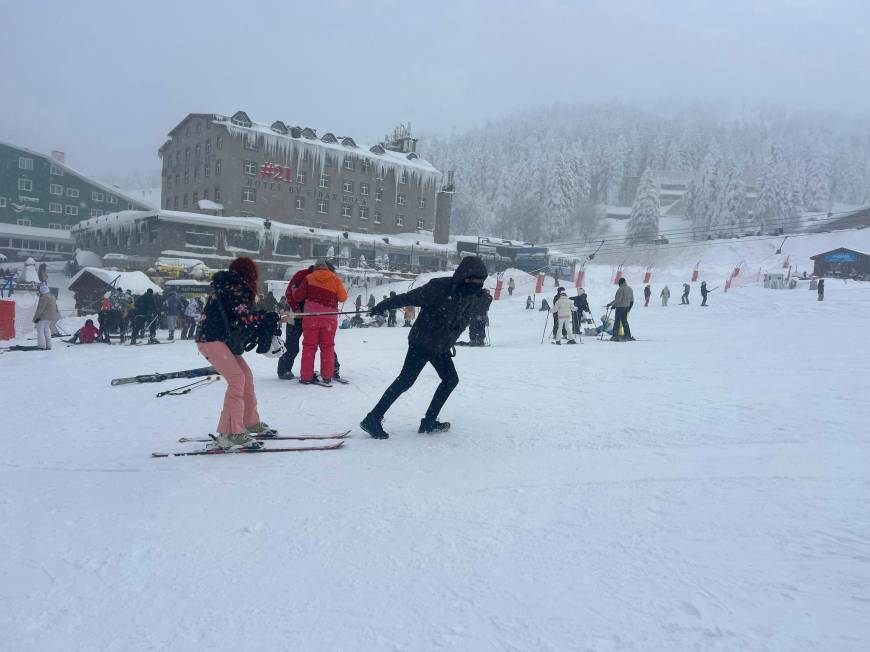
(106, 80)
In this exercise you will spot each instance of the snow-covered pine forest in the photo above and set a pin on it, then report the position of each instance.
(548, 174)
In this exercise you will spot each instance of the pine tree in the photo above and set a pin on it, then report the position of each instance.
(643, 226)
(730, 210)
(817, 192)
(703, 193)
(773, 194)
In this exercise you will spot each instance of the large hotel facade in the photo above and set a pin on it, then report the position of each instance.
(232, 166)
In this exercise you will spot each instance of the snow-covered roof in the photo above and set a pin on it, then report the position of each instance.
(257, 225)
(16, 230)
(67, 168)
(136, 282)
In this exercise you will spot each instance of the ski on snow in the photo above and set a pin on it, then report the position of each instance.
(219, 451)
(158, 377)
(337, 435)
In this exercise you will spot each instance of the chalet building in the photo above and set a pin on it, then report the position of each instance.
(219, 165)
(842, 263)
(42, 191)
(136, 239)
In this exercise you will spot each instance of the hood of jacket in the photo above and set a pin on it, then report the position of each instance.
(470, 266)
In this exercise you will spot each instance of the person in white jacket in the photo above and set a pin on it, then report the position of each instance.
(563, 308)
(665, 295)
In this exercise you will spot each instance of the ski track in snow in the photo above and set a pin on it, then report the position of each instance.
(704, 488)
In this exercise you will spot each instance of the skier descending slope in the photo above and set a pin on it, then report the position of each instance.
(229, 327)
(448, 304)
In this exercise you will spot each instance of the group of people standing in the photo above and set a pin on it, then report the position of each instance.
(232, 324)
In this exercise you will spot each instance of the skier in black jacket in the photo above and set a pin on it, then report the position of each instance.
(581, 302)
(146, 315)
(448, 304)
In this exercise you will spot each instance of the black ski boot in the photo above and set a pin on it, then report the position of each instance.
(372, 425)
(428, 425)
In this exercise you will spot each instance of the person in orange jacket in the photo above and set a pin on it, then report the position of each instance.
(321, 291)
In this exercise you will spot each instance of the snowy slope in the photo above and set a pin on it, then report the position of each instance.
(703, 488)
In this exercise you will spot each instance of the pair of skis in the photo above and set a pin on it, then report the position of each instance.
(340, 436)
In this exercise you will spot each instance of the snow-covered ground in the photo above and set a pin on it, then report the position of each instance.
(704, 488)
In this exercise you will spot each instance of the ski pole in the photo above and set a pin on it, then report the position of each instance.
(187, 388)
(546, 321)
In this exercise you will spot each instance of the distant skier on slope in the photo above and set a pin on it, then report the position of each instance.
(511, 286)
(622, 304)
(448, 304)
(581, 303)
(565, 309)
(647, 293)
(704, 293)
(821, 290)
(559, 292)
(684, 300)
(665, 295)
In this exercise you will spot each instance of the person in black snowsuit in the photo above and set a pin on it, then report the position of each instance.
(684, 300)
(448, 304)
(146, 315)
(581, 302)
(704, 293)
(647, 293)
(821, 289)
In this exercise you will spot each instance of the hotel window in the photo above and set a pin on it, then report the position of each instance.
(250, 168)
(324, 181)
(25, 163)
(217, 193)
(195, 172)
(55, 225)
(54, 207)
(198, 127)
(205, 194)
(364, 212)
(177, 180)
(96, 196)
(72, 192)
(347, 186)
(56, 171)
(364, 189)
(329, 161)
(111, 199)
(56, 189)
(400, 199)
(403, 178)
(378, 217)
(218, 167)
(346, 210)
(96, 212)
(175, 202)
(2, 202)
(206, 170)
(187, 176)
(300, 177)
(251, 143)
(184, 201)
(71, 210)
(422, 203)
(23, 221)
(196, 151)
(400, 220)
(249, 195)
(300, 203)
(208, 147)
(365, 165)
(379, 175)
(187, 155)
(348, 163)
(379, 194)
(219, 142)
(25, 184)
(421, 223)
(177, 158)
(196, 200)
(322, 206)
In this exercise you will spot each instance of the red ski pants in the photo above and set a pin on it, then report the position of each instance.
(318, 332)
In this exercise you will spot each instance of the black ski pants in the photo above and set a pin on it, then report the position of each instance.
(292, 334)
(621, 317)
(415, 360)
(703, 299)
